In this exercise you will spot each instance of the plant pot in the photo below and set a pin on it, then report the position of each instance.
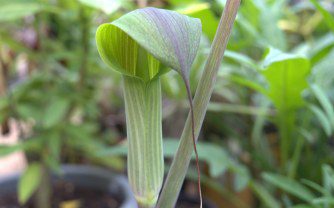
(84, 177)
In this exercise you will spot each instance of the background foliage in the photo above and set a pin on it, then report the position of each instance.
(267, 139)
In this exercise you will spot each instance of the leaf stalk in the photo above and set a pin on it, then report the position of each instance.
(176, 175)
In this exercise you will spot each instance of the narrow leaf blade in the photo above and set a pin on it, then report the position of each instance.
(29, 182)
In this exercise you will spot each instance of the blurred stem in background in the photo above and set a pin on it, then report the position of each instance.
(42, 198)
(300, 141)
(44, 191)
(285, 124)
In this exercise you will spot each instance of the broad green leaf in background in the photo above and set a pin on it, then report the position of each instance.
(286, 75)
(204, 13)
(16, 9)
(106, 6)
(260, 19)
(287, 78)
(29, 182)
(290, 186)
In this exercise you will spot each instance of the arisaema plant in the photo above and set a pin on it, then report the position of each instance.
(142, 45)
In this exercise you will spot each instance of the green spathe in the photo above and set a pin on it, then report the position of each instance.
(168, 36)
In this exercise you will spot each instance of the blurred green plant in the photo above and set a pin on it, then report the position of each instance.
(69, 116)
(55, 102)
(302, 190)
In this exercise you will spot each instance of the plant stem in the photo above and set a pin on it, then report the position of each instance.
(43, 194)
(144, 132)
(202, 97)
(298, 149)
(286, 124)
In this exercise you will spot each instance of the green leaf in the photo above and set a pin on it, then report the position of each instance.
(325, 103)
(53, 143)
(27, 145)
(56, 111)
(29, 182)
(324, 121)
(287, 78)
(321, 48)
(203, 12)
(106, 6)
(329, 19)
(241, 59)
(248, 83)
(8, 149)
(289, 185)
(216, 157)
(16, 9)
(315, 186)
(242, 177)
(323, 200)
(264, 195)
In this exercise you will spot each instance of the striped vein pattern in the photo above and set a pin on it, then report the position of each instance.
(145, 155)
